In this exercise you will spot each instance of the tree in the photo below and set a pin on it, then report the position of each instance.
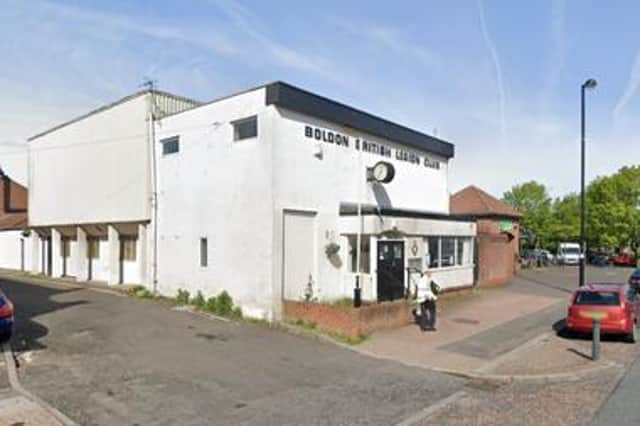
(533, 202)
(564, 224)
(613, 209)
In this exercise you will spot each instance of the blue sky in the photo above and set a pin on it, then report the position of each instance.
(499, 79)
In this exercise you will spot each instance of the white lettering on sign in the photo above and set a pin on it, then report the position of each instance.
(383, 150)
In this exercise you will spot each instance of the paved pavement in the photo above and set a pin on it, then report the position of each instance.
(474, 330)
(106, 359)
(621, 409)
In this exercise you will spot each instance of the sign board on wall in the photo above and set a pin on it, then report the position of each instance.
(362, 144)
(415, 248)
(505, 225)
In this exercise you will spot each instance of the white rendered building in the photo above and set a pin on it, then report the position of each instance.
(265, 194)
(91, 189)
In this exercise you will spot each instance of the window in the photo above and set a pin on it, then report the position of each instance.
(599, 298)
(432, 252)
(93, 248)
(129, 249)
(448, 252)
(445, 252)
(364, 253)
(464, 251)
(204, 255)
(170, 145)
(245, 129)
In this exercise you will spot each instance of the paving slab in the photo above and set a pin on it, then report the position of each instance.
(18, 410)
(465, 337)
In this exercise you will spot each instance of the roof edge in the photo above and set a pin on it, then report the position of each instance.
(322, 107)
(109, 106)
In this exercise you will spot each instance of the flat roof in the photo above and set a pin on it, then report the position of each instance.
(295, 99)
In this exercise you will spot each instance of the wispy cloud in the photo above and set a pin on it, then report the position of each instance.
(393, 39)
(630, 89)
(283, 55)
(209, 39)
(498, 70)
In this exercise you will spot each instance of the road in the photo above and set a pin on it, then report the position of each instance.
(106, 359)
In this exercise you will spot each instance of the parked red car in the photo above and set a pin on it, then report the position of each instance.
(623, 260)
(619, 305)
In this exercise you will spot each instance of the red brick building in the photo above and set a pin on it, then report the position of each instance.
(498, 231)
(13, 204)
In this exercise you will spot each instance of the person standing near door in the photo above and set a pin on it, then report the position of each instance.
(427, 296)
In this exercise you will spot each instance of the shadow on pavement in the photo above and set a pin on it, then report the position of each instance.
(31, 301)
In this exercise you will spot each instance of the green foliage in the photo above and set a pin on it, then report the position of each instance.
(236, 313)
(307, 325)
(224, 304)
(198, 301)
(612, 207)
(211, 305)
(532, 200)
(183, 297)
(221, 305)
(344, 302)
(140, 292)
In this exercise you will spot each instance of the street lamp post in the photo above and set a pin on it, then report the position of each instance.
(589, 84)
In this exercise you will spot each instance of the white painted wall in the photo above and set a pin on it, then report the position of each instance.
(305, 180)
(10, 251)
(235, 194)
(222, 190)
(94, 170)
(101, 265)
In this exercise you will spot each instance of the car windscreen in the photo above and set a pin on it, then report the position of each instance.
(600, 298)
(570, 250)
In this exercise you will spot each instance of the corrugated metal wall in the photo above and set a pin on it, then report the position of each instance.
(166, 104)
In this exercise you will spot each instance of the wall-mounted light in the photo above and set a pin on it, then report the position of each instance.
(318, 152)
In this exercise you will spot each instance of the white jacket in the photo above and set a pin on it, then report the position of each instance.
(423, 290)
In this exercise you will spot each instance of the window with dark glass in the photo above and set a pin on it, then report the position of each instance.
(245, 129)
(433, 252)
(204, 252)
(170, 145)
(448, 252)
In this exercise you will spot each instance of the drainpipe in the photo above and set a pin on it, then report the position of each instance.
(154, 189)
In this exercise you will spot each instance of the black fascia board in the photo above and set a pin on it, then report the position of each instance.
(294, 99)
(351, 209)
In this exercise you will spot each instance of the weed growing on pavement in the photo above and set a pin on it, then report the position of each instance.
(344, 302)
(312, 328)
(198, 300)
(221, 305)
(307, 325)
(140, 292)
(183, 297)
(348, 339)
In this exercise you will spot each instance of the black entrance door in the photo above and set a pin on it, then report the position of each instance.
(390, 270)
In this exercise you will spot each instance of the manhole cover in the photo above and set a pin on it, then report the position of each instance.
(466, 321)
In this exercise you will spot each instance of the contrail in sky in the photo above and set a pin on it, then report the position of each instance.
(496, 63)
(630, 90)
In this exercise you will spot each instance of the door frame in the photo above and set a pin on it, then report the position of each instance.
(302, 212)
(404, 265)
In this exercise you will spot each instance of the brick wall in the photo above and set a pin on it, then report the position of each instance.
(497, 253)
(350, 321)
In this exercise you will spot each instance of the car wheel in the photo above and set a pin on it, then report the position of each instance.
(633, 336)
